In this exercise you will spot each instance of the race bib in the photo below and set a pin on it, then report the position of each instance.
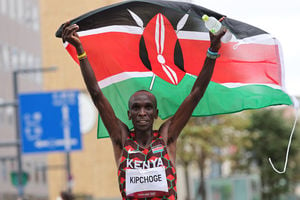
(144, 183)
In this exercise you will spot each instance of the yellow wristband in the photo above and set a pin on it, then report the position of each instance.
(82, 56)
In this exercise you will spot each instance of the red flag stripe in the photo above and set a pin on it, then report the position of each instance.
(120, 51)
(192, 35)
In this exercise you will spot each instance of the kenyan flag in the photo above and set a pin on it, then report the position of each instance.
(161, 46)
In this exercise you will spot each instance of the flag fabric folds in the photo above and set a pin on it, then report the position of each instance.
(161, 46)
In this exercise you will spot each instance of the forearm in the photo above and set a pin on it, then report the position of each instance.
(88, 75)
(203, 78)
(102, 104)
(184, 112)
(205, 75)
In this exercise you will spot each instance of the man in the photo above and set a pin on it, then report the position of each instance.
(145, 158)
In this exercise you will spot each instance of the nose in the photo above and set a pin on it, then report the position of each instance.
(142, 112)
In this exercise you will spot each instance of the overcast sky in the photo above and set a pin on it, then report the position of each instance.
(279, 18)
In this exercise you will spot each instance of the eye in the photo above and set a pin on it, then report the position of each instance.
(134, 107)
(149, 107)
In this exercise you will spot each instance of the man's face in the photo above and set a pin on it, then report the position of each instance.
(142, 111)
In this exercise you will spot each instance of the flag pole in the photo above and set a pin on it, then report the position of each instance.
(152, 82)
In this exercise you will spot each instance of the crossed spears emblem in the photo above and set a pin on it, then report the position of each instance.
(161, 62)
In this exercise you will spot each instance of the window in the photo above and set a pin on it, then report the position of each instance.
(44, 174)
(22, 60)
(27, 167)
(3, 6)
(12, 9)
(14, 58)
(37, 64)
(20, 10)
(9, 113)
(35, 18)
(4, 170)
(36, 174)
(1, 56)
(5, 56)
(27, 12)
(2, 110)
(13, 164)
(30, 61)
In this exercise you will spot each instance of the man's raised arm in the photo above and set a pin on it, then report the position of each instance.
(175, 124)
(114, 126)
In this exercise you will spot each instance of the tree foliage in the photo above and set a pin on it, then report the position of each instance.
(201, 137)
(249, 138)
(269, 134)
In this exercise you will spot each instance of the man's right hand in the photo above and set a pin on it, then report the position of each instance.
(70, 35)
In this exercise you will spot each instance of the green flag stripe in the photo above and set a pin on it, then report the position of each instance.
(218, 99)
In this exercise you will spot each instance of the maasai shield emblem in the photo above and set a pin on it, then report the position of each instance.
(160, 49)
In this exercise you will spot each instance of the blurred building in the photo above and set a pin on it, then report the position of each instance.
(94, 174)
(20, 48)
(27, 41)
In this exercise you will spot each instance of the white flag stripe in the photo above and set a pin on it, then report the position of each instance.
(168, 73)
(122, 77)
(66, 44)
(235, 85)
(162, 34)
(115, 28)
(266, 39)
(258, 39)
(157, 35)
(128, 75)
(172, 73)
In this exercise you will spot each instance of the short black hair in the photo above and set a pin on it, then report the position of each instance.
(143, 91)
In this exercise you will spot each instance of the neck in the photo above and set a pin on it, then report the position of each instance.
(143, 138)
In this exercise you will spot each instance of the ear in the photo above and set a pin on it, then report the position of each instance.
(129, 114)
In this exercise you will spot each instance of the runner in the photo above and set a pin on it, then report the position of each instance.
(145, 157)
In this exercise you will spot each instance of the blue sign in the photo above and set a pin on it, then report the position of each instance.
(49, 122)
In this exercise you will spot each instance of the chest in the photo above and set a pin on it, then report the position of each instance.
(144, 170)
(135, 156)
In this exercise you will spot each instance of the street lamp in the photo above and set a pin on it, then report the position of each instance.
(16, 105)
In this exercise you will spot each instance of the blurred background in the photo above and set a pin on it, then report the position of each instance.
(218, 158)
